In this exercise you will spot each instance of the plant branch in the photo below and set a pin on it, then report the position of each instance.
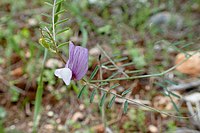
(53, 21)
(139, 103)
(53, 36)
(56, 47)
(119, 69)
(148, 75)
(103, 106)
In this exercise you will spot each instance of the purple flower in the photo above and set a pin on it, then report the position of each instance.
(77, 65)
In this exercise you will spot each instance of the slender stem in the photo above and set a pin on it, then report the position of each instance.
(103, 106)
(139, 104)
(38, 100)
(54, 33)
(119, 69)
(148, 75)
(53, 21)
(61, 57)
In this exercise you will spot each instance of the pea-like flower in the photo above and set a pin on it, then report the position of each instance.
(76, 66)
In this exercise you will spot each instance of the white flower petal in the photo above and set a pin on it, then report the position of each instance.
(58, 72)
(65, 74)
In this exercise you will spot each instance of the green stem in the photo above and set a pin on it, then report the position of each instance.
(146, 76)
(140, 104)
(38, 99)
(103, 106)
(54, 32)
(56, 47)
(119, 69)
(53, 21)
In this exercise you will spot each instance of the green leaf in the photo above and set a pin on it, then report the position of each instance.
(60, 12)
(94, 72)
(125, 107)
(174, 104)
(164, 93)
(186, 45)
(128, 64)
(105, 63)
(81, 92)
(178, 43)
(44, 24)
(61, 31)
(103, 98)
(126, 92)
(38, 99)
(170, 82)
(175, 95)
(63, 44)
(164, 87)
(57, 10)
(120, 59)
(161, 85)
(134, 71)
(61, 21)
(59, 1)
(102, 84)
(49, 4)
(115, 85)
(46, 15)
(92, 95)
(44, 43)
(167, 92)
(111, 101)
(113, 75)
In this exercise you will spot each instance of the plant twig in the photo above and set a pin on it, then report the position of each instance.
(184, 86)
(103, 106)
(119, 69)
(56, 47)
(141, 104)
(53, 21)
(145, 76)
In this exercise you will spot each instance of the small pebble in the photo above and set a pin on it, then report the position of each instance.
(32, 22)
(153, 129)
(50, 113)
(82, 107)
(48, 107)
(77, 116)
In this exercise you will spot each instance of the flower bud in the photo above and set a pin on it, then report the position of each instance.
(43, 42)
